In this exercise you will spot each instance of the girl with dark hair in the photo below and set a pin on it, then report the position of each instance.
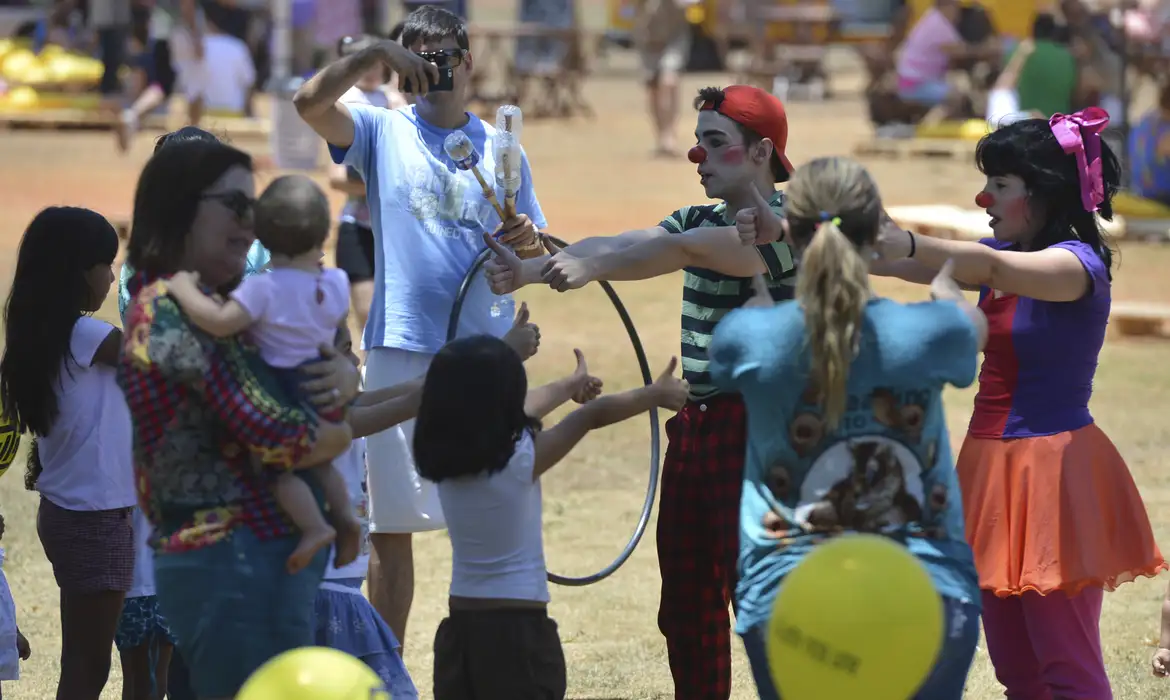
(846, 430)
(1036, 470)
(202, 407)
(478, 437)
(57, 381)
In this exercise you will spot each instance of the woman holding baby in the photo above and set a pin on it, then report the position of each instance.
(215, 428)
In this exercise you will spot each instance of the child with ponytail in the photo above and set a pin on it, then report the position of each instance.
(844, 400)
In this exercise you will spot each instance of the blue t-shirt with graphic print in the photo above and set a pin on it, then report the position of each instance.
(886, 468)
(428, 218)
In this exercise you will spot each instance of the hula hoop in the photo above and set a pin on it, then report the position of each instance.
(647, 378)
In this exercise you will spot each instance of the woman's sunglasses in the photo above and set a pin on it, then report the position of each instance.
(235, 201)
(444, 58)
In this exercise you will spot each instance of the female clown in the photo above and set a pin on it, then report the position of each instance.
(1052, 513)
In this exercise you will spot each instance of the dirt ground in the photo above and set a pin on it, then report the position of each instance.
(596, 177)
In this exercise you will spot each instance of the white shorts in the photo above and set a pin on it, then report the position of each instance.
(400, 500)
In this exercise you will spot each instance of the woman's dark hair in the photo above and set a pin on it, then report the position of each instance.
(50, 291)
(430, 25)
(715, 96)
(185, 134)
(472, 410)
(169, 191)
(1029, 150)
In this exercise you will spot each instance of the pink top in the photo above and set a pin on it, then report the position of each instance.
(922, 58)
(294, 312)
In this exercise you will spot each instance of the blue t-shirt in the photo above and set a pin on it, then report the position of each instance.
(887, 467)
(258, 259)
(428, 218)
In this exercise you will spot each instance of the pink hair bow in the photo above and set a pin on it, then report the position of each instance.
(1080, 134)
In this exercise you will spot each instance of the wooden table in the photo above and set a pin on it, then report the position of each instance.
(541, 91)
(797, 57)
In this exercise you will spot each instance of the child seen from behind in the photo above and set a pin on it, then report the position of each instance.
(14, 647)
(478, 436)
(292, 312)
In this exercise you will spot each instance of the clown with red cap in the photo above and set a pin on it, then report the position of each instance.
(741, 135)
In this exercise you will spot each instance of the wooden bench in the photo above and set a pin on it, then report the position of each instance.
(1140, 318)
(777, 64)
(555, 90)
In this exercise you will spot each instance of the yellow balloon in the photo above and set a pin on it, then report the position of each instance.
(314, 673)
(9, 443)
(858, 618)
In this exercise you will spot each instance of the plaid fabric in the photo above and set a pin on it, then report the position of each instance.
(91, 550)
(708, 296)
(698, 542)
(206, 412)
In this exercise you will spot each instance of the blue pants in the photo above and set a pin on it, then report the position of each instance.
(945, 682)
(233, 606)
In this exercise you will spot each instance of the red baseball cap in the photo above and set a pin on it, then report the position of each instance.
(760, 111)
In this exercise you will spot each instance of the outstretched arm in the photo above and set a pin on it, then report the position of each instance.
(506, 272)
(1053, 274)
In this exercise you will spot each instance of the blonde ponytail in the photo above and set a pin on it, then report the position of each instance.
(833, 290)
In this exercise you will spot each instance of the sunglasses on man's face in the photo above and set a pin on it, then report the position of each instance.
(444, 58)
(235, 201)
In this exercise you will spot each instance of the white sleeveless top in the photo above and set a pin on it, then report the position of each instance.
(495, 527)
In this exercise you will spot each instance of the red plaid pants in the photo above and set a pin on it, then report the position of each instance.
(698, 542)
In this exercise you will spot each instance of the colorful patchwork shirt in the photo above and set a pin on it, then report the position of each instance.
(213, 428)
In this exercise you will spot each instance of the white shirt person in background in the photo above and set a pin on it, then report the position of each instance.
(428, 219)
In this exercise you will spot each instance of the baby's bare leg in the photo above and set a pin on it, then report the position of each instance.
(341, 513)
(296, 498)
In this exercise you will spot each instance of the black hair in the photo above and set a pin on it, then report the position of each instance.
(715, 96)
(396, 33)
(1029, 150)
(1044, 27)
(430, 25)
(169, 191)
(292, 216)
(472, 411)
(186, 133)
(50, 291)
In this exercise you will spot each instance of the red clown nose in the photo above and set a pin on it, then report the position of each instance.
(984, 200)
(697, 155)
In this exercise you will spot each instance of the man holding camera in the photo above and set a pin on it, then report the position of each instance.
(428, 219)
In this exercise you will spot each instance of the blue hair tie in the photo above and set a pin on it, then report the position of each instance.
(827, 217)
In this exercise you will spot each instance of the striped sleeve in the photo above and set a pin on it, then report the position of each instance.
(676, 222)
(777, 257)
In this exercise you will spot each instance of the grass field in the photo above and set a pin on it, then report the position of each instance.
(595, 177)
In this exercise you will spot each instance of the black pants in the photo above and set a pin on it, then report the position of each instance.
(496, 654)
(112, 50)
(354, 253)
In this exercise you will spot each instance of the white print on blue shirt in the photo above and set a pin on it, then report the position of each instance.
(428, 218)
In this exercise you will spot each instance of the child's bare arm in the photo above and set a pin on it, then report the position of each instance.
(220, 320)
(579, 386)
(377, 396)
(554, 444)
(1162, 656)
(367, 418)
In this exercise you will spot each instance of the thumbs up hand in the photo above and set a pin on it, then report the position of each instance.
(562, 271)
(586, 387)
(524, 337)
(758, 224)
(761, 297)
(504, 270)
(671, 392)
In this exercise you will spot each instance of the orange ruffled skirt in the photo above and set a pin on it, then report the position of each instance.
(1054, 513)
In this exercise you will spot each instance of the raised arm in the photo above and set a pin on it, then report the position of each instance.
(553, 444)
(369, 415)
(318, 99)
(579, 386)
(1053, 274)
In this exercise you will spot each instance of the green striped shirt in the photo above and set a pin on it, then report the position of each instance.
(709, 295)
